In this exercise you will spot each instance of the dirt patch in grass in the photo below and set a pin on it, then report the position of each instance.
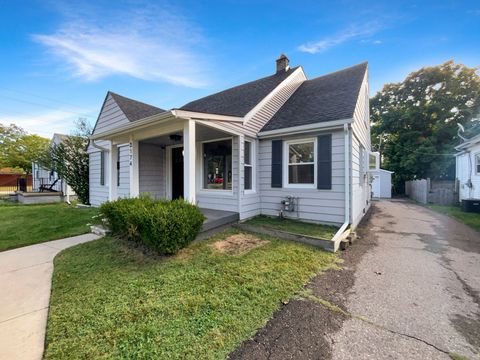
(239, 244)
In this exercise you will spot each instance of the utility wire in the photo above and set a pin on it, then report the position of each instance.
(44, 105)
(38, 96)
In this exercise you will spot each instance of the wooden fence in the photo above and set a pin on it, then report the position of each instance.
(426, 191)
(9, 182)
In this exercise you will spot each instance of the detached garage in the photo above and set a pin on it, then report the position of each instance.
(381, 183)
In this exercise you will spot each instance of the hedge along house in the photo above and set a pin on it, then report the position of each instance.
(280, 144)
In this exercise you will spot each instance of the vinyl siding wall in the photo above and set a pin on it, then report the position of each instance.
(465, 170)
(249, 199)
(152, 170)
(111, 116)
(360, 137)
(325, 206)
(98, 193)
(123, 190)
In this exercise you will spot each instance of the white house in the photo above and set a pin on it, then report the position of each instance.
(468, 168)
(47, 179)
(246, 149)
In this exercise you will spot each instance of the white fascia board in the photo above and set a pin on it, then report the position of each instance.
(139, 124)
(185, 114)
(274, 92)
(327, 125)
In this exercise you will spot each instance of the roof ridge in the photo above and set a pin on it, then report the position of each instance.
(114, 94)
(340, 70)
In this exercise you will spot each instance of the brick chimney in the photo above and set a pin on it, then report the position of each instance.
(282, 63)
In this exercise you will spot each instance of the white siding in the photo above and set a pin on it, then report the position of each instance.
(98, 193)
(123, 190)
(213, 199)
(277, 98)
(325, 206)
(111, 116)
(250, 200)
(152, 170)
(360, 187)
(466, 170)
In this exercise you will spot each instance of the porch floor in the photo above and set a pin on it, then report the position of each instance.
(217, 218)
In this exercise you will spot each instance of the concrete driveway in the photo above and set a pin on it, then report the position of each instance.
(410, 289)
(25, 282)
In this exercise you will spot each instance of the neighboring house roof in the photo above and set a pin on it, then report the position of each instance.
(326, 98)
(135, 110)
(238, 100)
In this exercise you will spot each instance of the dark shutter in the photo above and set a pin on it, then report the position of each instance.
(277, 155)
(324, 162)
(102, 167)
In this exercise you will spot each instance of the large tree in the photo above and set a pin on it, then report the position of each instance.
(414, 123)
(18, 149)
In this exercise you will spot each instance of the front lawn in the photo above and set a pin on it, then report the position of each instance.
(22, 225)
(110, 300)
(294, 226)
(470, 219)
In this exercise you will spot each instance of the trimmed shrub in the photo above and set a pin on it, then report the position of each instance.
(164, 226)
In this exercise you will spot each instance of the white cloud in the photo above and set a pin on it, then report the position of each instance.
(148, 43)
(44, 123)
(353, 32)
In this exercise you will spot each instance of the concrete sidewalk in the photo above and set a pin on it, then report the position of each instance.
(25, 282)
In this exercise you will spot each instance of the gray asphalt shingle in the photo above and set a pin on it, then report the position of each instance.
(326, 98)
(239, 100)
(135, 110)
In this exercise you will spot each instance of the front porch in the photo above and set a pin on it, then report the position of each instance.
(179, 158)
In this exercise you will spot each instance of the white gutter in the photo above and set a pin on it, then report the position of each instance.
(101, 148)
(341, 233)
(327, 125)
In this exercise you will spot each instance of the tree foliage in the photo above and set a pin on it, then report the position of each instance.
(70, 160)
(414, 123)
(18, 149)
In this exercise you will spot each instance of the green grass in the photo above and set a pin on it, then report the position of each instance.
(470, 219)
(22, 225)
(294, 226)
(111, 301)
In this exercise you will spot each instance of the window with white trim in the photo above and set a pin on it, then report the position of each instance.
(300, 163)
(249, 165)
(217, 165)
(477, 164)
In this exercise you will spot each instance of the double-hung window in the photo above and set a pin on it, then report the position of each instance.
(248, 166)
(477, 164)
(300, 156)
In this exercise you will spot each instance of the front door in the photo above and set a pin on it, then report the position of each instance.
(177, 172)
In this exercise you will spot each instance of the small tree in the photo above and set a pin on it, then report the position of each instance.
(70, 160)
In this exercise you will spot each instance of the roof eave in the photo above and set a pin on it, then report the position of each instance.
(187, 114)
(320, 126)
(139, 124)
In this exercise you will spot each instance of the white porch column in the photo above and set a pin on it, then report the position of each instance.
(112, 167)
(189, 158)
(134, 166)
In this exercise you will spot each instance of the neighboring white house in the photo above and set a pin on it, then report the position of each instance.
(49, 179)
(468, 168)
(245, 149)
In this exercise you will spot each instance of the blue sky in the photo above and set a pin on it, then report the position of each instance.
(58, 59)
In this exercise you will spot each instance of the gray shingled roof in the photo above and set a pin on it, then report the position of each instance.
(326, 98)
(239, 100)
(135, 110)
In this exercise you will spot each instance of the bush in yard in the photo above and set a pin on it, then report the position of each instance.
(164, 226)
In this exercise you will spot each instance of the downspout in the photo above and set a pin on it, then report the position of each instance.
(341, 233)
